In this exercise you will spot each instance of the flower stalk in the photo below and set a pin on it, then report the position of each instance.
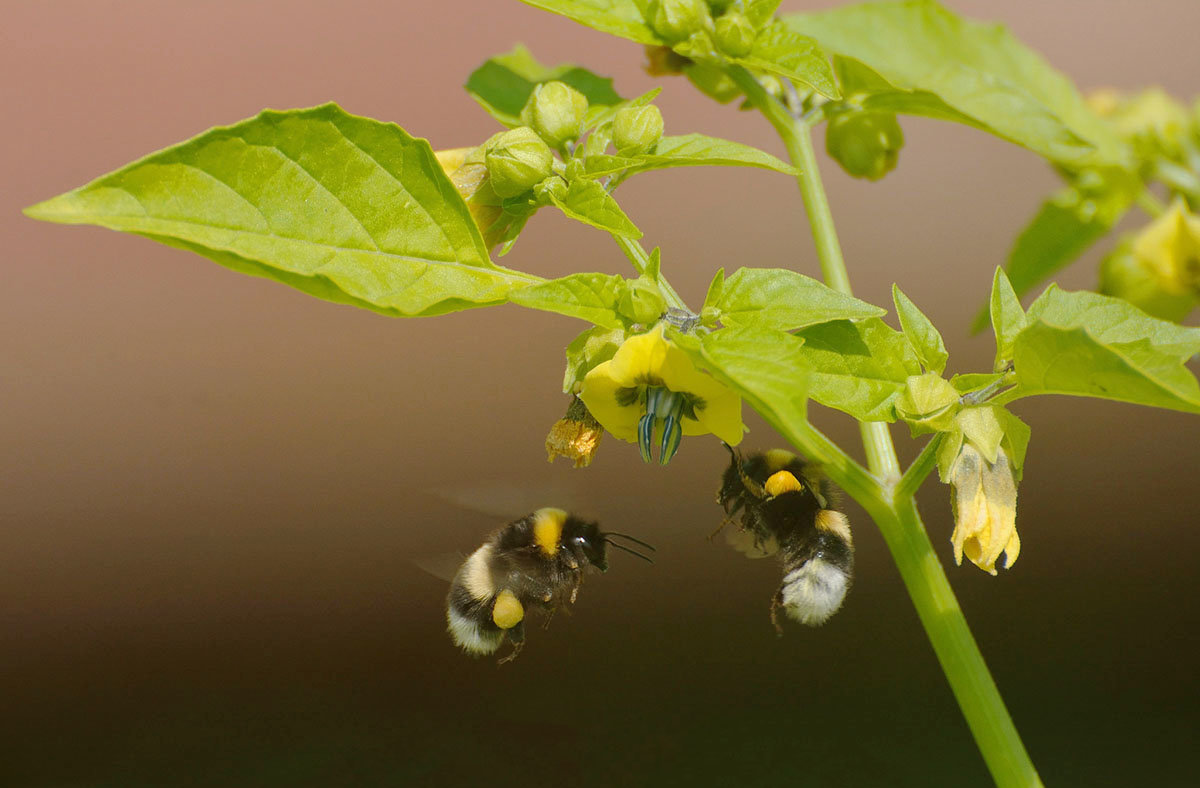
(889, 498)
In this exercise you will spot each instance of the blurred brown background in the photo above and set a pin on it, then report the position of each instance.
(212, 487)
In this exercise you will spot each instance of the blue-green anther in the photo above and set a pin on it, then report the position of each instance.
(663, 411)
(645, 434)
(672, 435)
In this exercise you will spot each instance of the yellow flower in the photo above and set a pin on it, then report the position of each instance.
(575, 436)
(467, 171)
(984, 498)
(1169, 249)
(650, 388)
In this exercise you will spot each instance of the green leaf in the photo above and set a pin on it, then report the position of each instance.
(588, 202)
(689, 150)
(503, 84)
(1008, 318)
(789, 53)
(780, 299)
(344, 208)
(764, 366)
(716, 288)
(1016, 438)
(759, 12)
(942, 66)
(588, 296)
(859, 367)
(594, 346)
(620, 18)
(974, 381)
(920, 332)
(1091, 345)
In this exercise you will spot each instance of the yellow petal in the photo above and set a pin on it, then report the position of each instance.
(599, 393)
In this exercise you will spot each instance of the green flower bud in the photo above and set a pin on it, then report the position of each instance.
(929, 403)
(676, 20)
(517, 160)
(1151, 120)
(735, 34)
(1126, 275)
(866, 144)
(642, 301)
(555, 111)
(637, 129)
(552, 187)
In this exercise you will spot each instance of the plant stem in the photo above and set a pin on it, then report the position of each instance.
(637, 255)
(889, 498)
(921, 467)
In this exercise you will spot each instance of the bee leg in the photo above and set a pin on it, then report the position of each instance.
(776, 603)
(724, 522)
(549, 617)
(516, 636)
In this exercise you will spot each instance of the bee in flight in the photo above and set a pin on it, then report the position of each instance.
(785, 508)
(536, 562)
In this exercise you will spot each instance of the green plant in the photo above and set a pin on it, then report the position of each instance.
(326, 202)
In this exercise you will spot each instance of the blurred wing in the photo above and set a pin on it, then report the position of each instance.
(745, 542)
(507, 501)
(442, 565)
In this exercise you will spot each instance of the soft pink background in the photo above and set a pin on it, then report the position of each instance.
(212, 487)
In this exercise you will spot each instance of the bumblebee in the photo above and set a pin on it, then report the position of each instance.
(534, 563)
(785, 509)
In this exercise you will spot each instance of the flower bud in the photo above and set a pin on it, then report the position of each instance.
(928, 403)
(555, 111)
(465, 168)
(676, 20)
(642, 301)
(517, 160)
(1158, 270)
(637, 129)
(1152, 120)
(550, 189)
(866, 144)
(735, 34)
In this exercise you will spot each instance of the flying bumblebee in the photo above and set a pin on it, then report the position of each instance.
(786, 510)
(536, 562)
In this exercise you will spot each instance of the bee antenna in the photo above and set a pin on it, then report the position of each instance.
(633, 539)
(631, 551)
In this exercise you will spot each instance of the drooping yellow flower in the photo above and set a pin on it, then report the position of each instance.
(984, 498)
(467, 171)
(651, 389)
(575, 436)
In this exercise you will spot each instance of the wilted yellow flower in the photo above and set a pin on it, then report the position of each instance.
(575, 436)
(651, 389)
(469, 174)
(984, 497)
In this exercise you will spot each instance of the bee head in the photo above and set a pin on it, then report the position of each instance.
(584, 538)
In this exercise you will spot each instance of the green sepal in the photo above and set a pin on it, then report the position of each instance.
(920, 333)
(928, 403)
(780, 299)
(504, 83)
(623, 18)
(344, 208)
(641, 301)
(593, 346)
(971, 382)
(858, 367)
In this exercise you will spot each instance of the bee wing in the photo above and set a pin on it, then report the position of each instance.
(441, 565)
(745, 542)
(507, 501)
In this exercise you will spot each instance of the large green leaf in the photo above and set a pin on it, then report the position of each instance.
(1096, 346)
(764, 366)
(503, 84)
(588, 202)
(689, 150)
(776, 298)
(344, 208)
(928, 61)
(588, 296)
(618, 17)
(858, 367)
(789, 53)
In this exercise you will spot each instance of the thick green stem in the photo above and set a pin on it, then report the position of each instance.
(888, 498)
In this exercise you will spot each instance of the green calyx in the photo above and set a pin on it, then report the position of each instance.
(677, 20)
(517, 160)
(555, 111)
(866, 144)
(637, 130)
(735, 34)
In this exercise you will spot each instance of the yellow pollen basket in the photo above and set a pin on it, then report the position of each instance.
(508, 610)
(781, 482)
(547, 529)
